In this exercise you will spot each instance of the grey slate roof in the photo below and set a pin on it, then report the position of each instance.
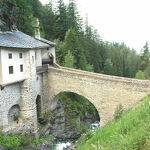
(47, 42)
(17, 39)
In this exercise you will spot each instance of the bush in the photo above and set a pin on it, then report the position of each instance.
(118, 112)
(16, 117)
(140, 75)
(11, 142)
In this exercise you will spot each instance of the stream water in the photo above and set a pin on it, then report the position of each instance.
(62, 145)
(65, 145)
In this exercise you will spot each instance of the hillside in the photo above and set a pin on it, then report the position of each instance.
(130, 132)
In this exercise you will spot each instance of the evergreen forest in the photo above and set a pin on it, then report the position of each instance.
(79, 45)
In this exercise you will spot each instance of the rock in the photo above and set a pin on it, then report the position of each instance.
(59, 125)
(1, 148)
(29, 148)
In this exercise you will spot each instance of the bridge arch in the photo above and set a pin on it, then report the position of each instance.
(13, 114)
(79, 92)
(103, 91)
(76, 92)
(80, 108)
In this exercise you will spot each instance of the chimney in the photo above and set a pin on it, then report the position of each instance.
(37, 29)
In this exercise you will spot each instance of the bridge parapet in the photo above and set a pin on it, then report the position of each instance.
(98, 76)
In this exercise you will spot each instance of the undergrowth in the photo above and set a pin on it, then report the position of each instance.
(16, 142)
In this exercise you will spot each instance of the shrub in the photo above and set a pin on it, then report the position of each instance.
(11, 142)
(16, 117)
(118, 112)
(140, 75)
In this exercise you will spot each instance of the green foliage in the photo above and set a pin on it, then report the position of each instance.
(64, 24)
(76, 105)
(118, 112)
(85, 137)
(61, 20)
(130, 132)
(11, 142)
(15, 142)
(89, 68)
(140, 75)
(16, 117)
(147, 72)
(69, 60)
(1, 2)
(41, 140)
(145, 56)
(108, 67)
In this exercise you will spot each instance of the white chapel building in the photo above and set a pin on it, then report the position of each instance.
(21, 77)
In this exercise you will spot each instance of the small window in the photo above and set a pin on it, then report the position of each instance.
(11, 70)
(10, 55)
(21, 68)
(20, 55)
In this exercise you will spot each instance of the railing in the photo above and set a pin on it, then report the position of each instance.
(41, 69)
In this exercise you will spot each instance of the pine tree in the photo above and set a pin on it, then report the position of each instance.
(145, 56)
(25, 19)
(69, 60)
(49, 21)
(72, 43)
(61, 20)
(74, 20)
(108, 67)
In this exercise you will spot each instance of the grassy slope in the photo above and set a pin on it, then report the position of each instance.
(131, 132)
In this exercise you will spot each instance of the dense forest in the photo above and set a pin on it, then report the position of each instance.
(78, 44)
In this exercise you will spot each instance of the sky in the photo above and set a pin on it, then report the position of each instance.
(125, 21)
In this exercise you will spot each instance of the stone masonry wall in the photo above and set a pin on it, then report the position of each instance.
(29, 93)
(45, 93)
(104, 91)
(9, 96)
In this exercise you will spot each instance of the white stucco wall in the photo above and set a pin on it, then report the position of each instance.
(45, 52)
(38, 57)
(15, 62)
(52, 51)
(0, 68)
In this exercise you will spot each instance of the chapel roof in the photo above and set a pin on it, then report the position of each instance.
(47, 42)
(18, 39)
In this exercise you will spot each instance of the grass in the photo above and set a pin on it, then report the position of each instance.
(130, 132)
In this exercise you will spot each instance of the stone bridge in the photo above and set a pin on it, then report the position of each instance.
(105, 92)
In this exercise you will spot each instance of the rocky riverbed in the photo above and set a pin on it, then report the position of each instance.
(62, 127)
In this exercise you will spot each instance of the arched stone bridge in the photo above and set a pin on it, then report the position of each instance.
(105, 92)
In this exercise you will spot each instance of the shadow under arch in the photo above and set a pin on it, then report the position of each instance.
(13, 114)
(76, 105)
(38, 106)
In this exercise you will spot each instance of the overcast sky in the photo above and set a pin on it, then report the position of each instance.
(125, 21)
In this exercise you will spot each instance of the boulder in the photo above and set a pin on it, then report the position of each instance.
(1, 148)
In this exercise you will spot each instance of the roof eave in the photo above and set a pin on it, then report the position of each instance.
(26, 48)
